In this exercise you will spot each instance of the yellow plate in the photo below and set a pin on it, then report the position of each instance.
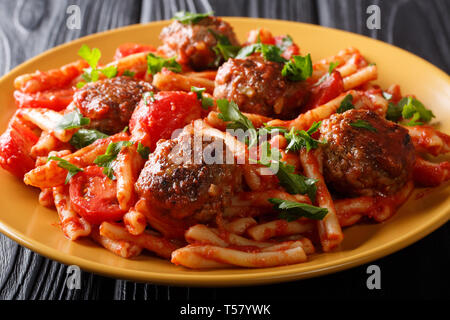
(35, 227)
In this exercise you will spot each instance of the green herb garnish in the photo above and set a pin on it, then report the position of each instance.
(291, 210)
(363, 124)
(224, 50)
(72, 120)
(92, 74)
(186, 17)
(206, 101)
(298, 69)
(71, 168)
(84, 137)
(298, 139)
(229, 112)
(143, 151)
(107, 159)
(346, 104)
(409, 108)
(155, 64)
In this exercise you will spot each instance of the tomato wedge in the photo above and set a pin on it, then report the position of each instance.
(158, 116)
(93, 196)
(329, 89)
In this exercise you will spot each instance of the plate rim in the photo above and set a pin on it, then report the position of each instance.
(272, 275)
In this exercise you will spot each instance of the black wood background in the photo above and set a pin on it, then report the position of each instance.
(29, 27)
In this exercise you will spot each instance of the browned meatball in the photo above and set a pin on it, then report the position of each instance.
(257, 86)
(182, 188)
(109, 103)
(193, 43)
(363, 162)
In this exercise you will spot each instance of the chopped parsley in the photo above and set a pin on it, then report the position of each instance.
(84, 137)
(92, 74)
(155, 64)
(298, 139)
(409, 108)
(206, 101)
(292, 182)
(332, 66)
(363, 124)
(106, 160)
(269, 52)
(72, 120)
(128, 73)
(298, 69)
(346, 104)
(71, 168)
(224, 50)
(186, 17)
(143, 151)
(229, 112)
(292, 210)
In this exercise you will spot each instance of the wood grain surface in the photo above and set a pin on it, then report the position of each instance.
(29, 27)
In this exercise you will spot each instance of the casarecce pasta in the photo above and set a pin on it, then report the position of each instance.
(213, 153)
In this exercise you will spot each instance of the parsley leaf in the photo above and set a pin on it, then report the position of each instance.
(346, 104)
(128, 73)
(72, 120)
(291, 210)
(186, 17)
(292, 182)
(229, 112)
(206, 101)
(109, 72)
(298, 69)
(224, 50)
(411, 106)
(407, 108)
(269, 52)
(298, 139)
(91, 56)
(143, 151)
(332, 66)
(363, 124)
(155, 64)
(394, 112)
(107, 159)
(84, 137)
(92, 74)
(71, 168)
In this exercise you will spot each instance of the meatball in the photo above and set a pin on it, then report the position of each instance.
(193, 43)
(173, 183)
(365, 162)
(257, 86)
(110, 103)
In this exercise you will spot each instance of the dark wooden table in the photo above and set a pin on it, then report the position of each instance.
(29, 27)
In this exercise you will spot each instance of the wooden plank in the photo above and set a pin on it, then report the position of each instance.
(421, 27)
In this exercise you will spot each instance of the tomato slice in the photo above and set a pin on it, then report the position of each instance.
(329, 89)
(93, 196)
(158, 116)
(127, 49)
(290, 51)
